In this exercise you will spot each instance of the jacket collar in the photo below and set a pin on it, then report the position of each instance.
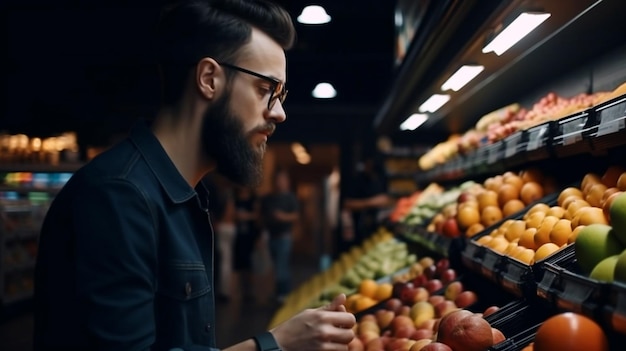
(175, 186)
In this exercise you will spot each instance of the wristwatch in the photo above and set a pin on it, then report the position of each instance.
(266, 342)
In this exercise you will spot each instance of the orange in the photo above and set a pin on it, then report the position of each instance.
(531, 192)
(484, 240)
(535, 219)
(570, 331)
(351, 301)
(539, 207)
(574, 235)
(590, 215)
(474, 229)
(621, 182)
(567, 192)
(515, 230)
(384, 291)
(490, 215)
(571, 199)
(512, 207)
(498, 244)
(368, 288)
(514, 180)
(589, 179)
(611, 175)
(506, 193)
(527, 256)
(527, 239)
(487, 198)
(575, 206)
(595, 193)
(556, 211)
(467, 216)
(561, 232)
(545, 228)
(546, 250)
(363, 302)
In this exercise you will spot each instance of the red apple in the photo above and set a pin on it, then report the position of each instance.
(422, 333)
(430, 271)
(435, 299)
(490, 310)
(466, 298)
(441, 265)
(447, 276)
(445, 307)
(433, 285)
(464, 197)
(384, 317)
(393, 304)
(450, 228)
(419, 280)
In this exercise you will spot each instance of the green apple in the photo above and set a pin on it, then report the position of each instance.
(594, 243)
(617, 211)
(604, 270)
(620, 268)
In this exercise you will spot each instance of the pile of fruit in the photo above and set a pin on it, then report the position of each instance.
(482, 205)
(545, 229)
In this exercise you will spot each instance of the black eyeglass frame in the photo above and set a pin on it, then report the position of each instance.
(278, 91)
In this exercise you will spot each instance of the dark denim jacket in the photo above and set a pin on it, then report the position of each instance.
(126, 257)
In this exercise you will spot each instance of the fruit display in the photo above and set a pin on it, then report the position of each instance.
(499, 124)
(432, 202)
(482, 205)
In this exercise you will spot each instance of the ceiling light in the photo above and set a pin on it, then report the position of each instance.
(434, 103)
(414, 121)
(324, 91)
(461, 77)
(313, 14)
(514, 32)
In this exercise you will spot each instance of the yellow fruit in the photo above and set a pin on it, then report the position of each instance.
(498, 244)
(515, 230)
(527, 256)
(561, 232)
(512, 207)
(567, 192)
(535, 219)
(384, 291)
(556, 211)
(546, 250)
(368, 288)
(591, 215)
(490, 215)
(474, 229)
(468, 216)
(487, 198)
(540, 207)
(531, 192)
(527, 239)
(484, 240)
(543, 232)
(506, 193)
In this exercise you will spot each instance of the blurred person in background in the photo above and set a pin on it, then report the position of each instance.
(366, 197)
(126, 251)
(280, 210)
(247, 237)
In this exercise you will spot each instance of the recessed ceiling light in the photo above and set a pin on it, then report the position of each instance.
(314, 14)
(525, 23)
(434, 103)
(461, 77)
(414, 121)
(324, 91)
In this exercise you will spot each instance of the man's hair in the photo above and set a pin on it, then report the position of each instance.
(190, 30)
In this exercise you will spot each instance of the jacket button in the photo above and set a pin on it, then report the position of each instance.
(188, 289)
(207, 328)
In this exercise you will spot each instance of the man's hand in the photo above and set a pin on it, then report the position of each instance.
(325, 328)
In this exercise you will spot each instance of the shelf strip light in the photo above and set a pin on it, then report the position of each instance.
(414, 121)
(525, 23)
(434, 103)
(461, 77)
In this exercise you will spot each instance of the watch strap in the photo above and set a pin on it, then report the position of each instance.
(266, 342)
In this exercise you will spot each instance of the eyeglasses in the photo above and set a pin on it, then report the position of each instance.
(278, 89)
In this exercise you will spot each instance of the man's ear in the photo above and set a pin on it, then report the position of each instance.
(209, 78)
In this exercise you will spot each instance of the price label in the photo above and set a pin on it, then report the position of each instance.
(536, 137)
(612, 119)
(572, 130)
(511, 144)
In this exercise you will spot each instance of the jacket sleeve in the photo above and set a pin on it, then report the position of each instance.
(116, 266)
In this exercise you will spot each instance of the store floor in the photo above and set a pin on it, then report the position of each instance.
(238, 319)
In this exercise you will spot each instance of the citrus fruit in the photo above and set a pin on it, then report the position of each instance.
(572, 332)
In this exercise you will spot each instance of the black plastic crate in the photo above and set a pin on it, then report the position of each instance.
(610, 124)
(568, 289)
(614, 311)
(572, 134)
(539, 141)
(515, 149)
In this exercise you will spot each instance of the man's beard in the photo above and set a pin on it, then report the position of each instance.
(225, 141)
